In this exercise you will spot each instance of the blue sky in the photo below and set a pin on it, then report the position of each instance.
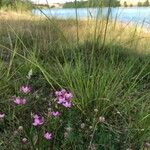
(50, 1)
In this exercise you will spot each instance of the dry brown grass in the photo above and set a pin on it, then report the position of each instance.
(34, 27)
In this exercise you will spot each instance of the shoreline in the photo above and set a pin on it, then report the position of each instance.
(118, 32)
(122, 15)
(30, 15)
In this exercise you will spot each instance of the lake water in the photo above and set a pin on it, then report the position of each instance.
(135, 15)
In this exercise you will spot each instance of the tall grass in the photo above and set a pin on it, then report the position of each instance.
(107, 73)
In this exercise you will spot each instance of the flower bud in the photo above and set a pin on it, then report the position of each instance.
(101, 119)
(49, 109)
(96, 110)
(24, 140)
(68, 129)
(147, 145)
(66, 134)
(82, 125)
(16, 132)
(20, 128)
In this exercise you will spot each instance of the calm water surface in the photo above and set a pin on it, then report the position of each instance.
(135, 15)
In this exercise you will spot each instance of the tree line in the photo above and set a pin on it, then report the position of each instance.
(101, 3)
(146, 3)
(140, 4)
(92, 3)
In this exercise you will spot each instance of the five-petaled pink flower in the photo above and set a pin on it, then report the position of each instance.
(38, 120)
(19, 101)
(55, 113)
(25, 89)
(67, 104)
(61, 100)
(64, 98)
(68, 96)
(48, 135)
(2, 115)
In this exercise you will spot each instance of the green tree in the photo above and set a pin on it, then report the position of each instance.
(146, 3)
(139, 4)
(112, 3)
(0, 3)
(131, 5)
(118, 4)
(125, 4)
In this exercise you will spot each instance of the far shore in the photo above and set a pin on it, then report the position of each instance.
(46, 7)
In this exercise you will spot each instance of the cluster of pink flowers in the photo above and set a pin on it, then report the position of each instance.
(38, 120)
(22, 101)
(64, 98)
(19, 101)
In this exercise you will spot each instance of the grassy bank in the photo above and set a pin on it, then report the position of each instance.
(106, 67)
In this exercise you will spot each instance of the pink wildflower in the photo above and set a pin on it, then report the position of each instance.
(68, 96)
(64, 98)
(48, 136)
(36, 116)
(67, 104)
(2, 115)
(19, 101)
(61, 100)
(58, 93)
(63, 91)
(25, 89)
(55, 114)
(38, 120)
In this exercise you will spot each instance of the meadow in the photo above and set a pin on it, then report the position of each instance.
(73, 84)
